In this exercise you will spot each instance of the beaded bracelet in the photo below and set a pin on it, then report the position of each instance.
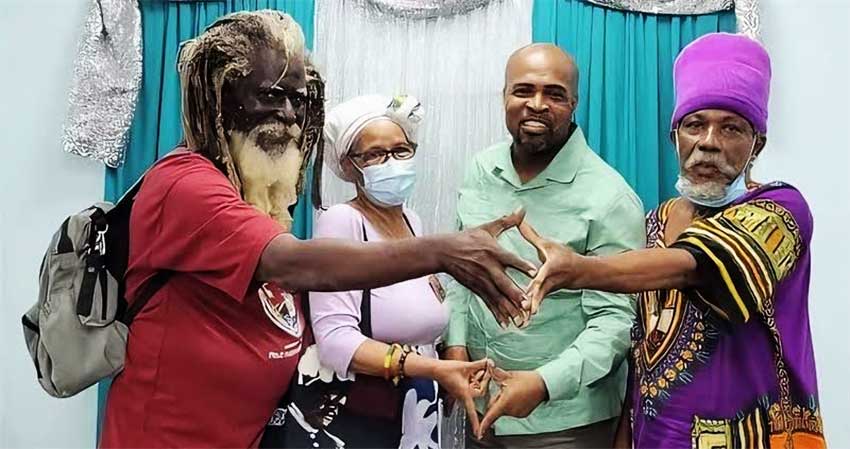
(406, 350)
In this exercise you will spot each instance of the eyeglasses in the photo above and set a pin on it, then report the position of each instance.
(377, 157)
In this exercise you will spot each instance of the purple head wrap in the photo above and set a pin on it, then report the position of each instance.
(723, 71)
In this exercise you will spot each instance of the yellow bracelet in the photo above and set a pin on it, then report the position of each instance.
(388, 361)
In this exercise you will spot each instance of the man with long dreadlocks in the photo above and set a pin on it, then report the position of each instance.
(216, 346)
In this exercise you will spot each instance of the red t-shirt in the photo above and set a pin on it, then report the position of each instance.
(205, 365)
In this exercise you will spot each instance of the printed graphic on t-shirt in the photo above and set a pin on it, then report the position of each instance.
(280, 308)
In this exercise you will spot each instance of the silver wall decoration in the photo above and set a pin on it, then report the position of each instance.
(424, 9)
(678, 7)
(746, 11)
(747, 17)
(106, 82)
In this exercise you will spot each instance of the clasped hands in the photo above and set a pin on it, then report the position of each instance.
(477, 268)
(519, 392)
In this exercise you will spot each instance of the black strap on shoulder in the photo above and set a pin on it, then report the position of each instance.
(409, 226)
(130, 194)
(153, 285)
(366, 301)
(121, 212)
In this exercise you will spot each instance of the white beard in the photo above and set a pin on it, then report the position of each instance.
(707, 191)
(269, 178)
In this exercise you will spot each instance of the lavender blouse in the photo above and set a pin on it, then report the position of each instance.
(408, 312)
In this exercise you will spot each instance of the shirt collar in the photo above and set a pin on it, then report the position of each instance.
(562, 169)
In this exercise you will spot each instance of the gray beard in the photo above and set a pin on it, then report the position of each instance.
(706, 191)
(269, 173)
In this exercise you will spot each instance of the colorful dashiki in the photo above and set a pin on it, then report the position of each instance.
(730, 365)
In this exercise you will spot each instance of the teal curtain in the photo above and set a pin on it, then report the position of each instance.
(625, 64)
(156, 127)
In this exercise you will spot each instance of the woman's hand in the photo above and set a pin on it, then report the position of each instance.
(464, 381)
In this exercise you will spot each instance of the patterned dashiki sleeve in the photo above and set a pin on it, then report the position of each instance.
(742, 253)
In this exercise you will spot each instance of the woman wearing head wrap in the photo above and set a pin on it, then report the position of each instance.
(371, 378)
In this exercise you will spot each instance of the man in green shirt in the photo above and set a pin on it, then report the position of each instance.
(564, 377)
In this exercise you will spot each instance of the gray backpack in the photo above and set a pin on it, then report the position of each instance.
(77, 331)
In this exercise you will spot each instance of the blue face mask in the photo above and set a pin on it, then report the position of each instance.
(390, 183)
(736, 189)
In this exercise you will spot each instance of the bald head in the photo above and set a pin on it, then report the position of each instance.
(543, 57)
(541, 94)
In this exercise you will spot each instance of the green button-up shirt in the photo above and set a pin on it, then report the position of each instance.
(578, 340)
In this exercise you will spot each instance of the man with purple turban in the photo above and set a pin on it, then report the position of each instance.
(722, 350)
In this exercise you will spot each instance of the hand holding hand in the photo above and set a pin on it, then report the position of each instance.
(465, 381)
(458, 353)
(557, 270)
(476, 260)
(520, 393)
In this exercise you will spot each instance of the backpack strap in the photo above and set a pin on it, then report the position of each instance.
(130, 194)
(153, 285)
(160, 278)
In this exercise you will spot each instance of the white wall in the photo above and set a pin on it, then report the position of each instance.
(41, 184)
(809, 146)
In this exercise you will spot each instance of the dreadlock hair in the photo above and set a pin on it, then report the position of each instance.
(223, 53)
